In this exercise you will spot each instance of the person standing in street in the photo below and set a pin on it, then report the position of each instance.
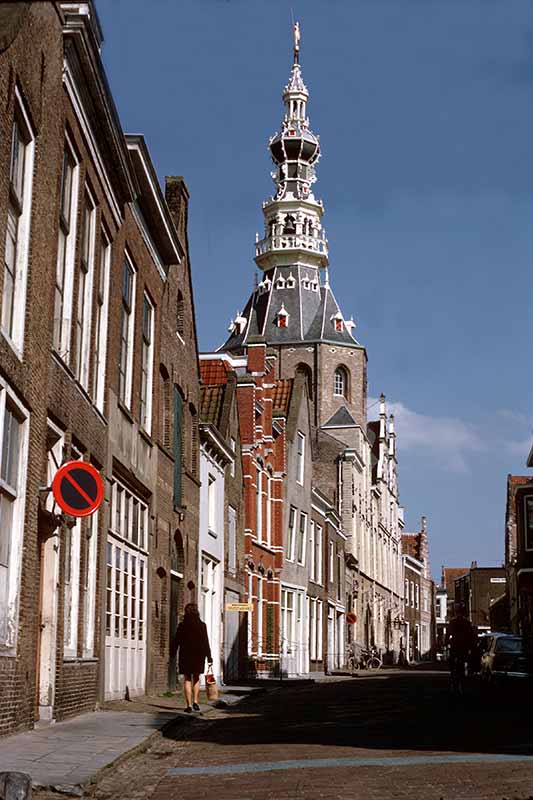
(192, 642)
(461, 639)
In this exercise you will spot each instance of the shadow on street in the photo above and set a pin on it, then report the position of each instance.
(404, 711)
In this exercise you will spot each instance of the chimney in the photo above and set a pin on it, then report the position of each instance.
(256, 355)
(177, 197)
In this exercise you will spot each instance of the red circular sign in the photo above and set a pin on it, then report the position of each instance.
(351, 618)
(78, 488)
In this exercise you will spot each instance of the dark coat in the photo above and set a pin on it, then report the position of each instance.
(193, 643)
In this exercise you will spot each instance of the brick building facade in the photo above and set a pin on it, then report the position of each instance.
(97, 362)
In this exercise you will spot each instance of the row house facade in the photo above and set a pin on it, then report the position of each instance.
(97, 362)
(519, 551)
(221, 567)
(419, 596)
(478, 590)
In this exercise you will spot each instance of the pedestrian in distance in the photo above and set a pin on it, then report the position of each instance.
(461, 639)
(192, 642)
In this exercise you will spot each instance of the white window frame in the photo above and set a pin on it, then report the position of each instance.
(318, 558)
(300, 458)
(147, 365)
(14, 332)
(259, 504)
(89, 589)
(232, 539)
(312, 551)
(331, 561)
(302, 538)
(406, 590)
(291, 534)
(84, 307)
(339, 383)
(319, 650)
(123, 502)
(212, 503)
(268, 509)
(417, 596)
(127, 368)
(102, 312)
(312, 628)
(8, 642)
(63, 333)
(259, 615)
(233, 446)
(339, 576)
(71, 588)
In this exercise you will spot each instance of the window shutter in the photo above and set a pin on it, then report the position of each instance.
(178, 444)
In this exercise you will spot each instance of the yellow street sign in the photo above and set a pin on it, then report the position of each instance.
(246, 607)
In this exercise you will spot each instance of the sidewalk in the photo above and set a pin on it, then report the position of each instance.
(68, 755)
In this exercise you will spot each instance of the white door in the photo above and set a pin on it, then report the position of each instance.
(331, 638)
(211, 607)
(125, 642)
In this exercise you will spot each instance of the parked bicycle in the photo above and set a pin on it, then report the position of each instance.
(363, 658)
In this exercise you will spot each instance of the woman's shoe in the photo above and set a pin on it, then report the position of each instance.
(195, 707)
(188, 710)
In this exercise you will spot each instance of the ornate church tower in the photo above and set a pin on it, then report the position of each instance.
(293, 307)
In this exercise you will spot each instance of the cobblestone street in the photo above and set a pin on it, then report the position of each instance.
(382, 735)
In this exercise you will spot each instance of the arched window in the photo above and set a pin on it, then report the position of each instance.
(179, 314)
(307, 372)
(340, 385)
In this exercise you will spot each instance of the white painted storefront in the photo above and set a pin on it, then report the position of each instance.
(126, 593)
(211, 552)
(294, 630)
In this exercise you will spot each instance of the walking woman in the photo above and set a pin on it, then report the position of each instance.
(193, 643)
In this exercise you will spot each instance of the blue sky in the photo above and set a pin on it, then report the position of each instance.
(425, 113)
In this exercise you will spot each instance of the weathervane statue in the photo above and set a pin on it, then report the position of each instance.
(296, 41)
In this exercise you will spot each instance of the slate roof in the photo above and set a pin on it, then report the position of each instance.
(281, 395)
(211, 402)
(310, 311)
(340, 419)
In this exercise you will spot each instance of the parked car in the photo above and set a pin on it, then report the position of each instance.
(505, 657)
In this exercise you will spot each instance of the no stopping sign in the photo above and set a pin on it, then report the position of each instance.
(78, 488)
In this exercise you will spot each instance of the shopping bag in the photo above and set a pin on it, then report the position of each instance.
(211, 688)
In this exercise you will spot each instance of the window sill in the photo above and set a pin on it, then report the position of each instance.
(80, 660)
(18, 351)
(146, 436)
(125, 410)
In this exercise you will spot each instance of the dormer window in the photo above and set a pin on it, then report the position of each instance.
(282, 317)
(240, 323)
(337, 322)
(291, 281)
(305, 282)
(314, 286)
(280, 283)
